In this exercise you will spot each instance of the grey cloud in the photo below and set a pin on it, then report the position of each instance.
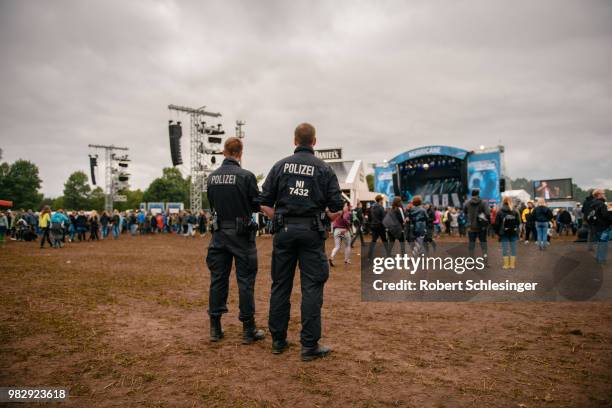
(376, 78)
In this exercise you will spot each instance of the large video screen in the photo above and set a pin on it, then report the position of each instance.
(557, 189)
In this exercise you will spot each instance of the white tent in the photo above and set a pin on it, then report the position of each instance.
(352, 179)
(520, 195)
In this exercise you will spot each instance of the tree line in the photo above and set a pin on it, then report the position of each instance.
(20, 183)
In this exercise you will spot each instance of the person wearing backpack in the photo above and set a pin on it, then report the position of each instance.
(507, 222)
(418, 222)
(478, 216)
(396, 220)
(542, 216)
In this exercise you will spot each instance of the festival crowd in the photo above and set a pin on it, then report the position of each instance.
(414, 223)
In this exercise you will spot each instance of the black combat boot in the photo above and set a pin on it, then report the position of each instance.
(312, 353)
(250, 334)
(279, 346)
(216, 332)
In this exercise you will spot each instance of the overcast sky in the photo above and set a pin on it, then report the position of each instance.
(376, 78)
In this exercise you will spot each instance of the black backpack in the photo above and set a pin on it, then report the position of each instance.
(509, 224)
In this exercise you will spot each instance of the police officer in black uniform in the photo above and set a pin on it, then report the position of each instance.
(233, 196)
(298, 194)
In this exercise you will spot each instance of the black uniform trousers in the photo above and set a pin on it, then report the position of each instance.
(298, 243)
(378, 231)
(226, 246)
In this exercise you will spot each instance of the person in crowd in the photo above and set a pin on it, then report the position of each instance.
(493, 212)
(446, 221)
(529, 221)
(10, 216)
(577, 213)
(123, 221)
(141, 218)
(116, 224)
(461, 221)
(202, 223)
(507, 221)
(520, 208)
(94, 226)
(34, 221)
(44, 220)
(104, 221)
(23, 231)
(398, 233)
(418, 222)
(342, 235)
(4, 226)
(564, 222)
(478, 218)
(429, 233)
(133, 222)
(586, 212)
(377, 213)
(437, 222)
(357, 221)
(81, 226)
(454, 221)
(159, 222)
(71, 226)
(58, 221)
(600, 218)
(542, 216)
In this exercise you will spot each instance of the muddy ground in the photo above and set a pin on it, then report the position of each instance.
(123, 323)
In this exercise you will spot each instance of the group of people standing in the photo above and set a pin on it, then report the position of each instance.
(55, 228)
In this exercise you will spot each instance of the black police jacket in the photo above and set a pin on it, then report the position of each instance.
(232, 191)
(301, 185)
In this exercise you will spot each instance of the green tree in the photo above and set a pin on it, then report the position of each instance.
(96, 199)
(19, 182)
(77, 191)
(58, 203)
(370, 180)
(170, 187)
(134, 198)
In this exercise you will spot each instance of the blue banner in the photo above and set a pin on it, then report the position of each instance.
(484, 172)
(383, 180)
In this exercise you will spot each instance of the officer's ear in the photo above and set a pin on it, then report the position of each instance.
(314, 141)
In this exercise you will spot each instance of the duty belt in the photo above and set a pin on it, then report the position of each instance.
(227, 225)
(299, 220)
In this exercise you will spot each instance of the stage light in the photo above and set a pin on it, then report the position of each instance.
(482, 147)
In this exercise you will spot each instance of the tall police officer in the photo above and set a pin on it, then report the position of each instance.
(233, 196)
(298, 193)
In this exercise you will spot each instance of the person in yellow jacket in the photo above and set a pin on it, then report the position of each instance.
(44, 221)
(528, 221)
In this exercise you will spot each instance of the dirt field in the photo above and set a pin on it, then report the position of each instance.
(123, 323)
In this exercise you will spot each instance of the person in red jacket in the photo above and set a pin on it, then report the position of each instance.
(493, 216)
